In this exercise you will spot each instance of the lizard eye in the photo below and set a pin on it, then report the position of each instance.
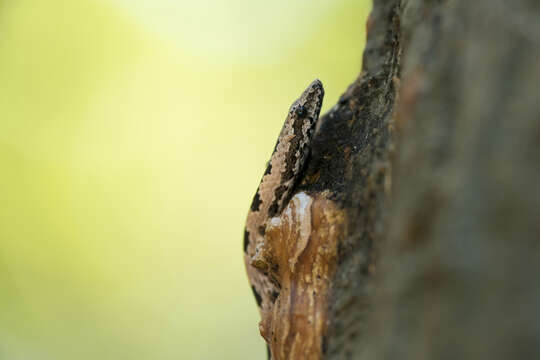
(301, 111)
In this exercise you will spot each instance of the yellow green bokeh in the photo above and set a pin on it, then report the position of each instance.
(133, 135)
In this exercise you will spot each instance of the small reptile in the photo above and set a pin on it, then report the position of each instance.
(274, 191)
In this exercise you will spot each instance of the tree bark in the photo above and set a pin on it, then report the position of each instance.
(433, 153)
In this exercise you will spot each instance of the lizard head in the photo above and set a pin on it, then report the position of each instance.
(308, 105)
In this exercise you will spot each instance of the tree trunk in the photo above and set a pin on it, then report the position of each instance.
(433, 154)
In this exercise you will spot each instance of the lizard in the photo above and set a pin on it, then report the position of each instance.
(274, 192)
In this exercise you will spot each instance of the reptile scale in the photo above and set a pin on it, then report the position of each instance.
(283, 170)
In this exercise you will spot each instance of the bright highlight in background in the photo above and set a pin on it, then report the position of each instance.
(133, 135)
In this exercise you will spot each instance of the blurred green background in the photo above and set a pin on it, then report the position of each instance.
(133, 135)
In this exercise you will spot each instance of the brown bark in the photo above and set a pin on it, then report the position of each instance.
(433, 154)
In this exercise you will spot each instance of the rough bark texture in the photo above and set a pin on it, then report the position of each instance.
(434, 155)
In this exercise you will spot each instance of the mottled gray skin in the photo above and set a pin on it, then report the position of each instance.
(285, 165)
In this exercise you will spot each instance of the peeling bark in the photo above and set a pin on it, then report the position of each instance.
(302, 243)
